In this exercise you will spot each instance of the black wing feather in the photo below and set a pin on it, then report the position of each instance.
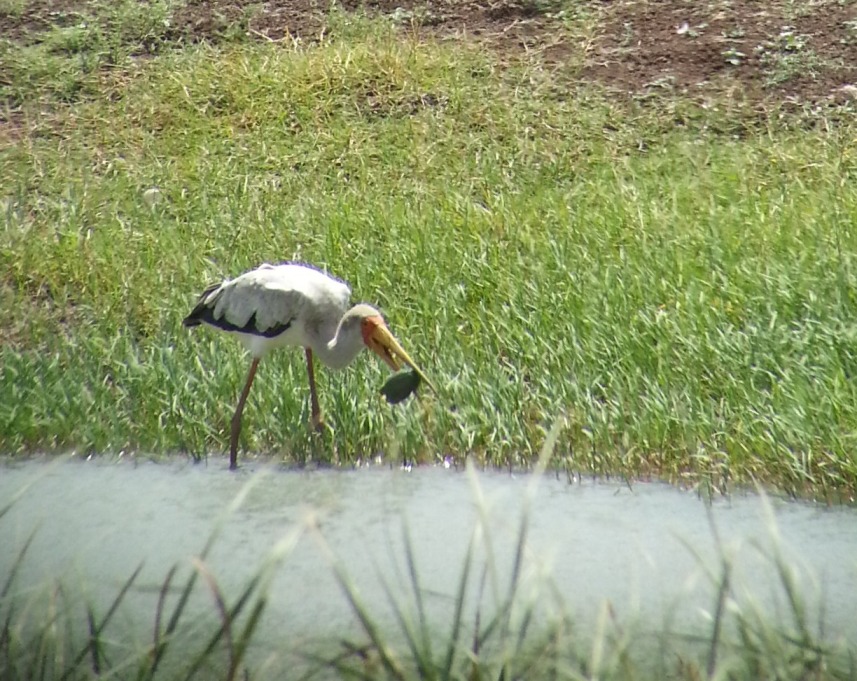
(198, 315)
(203, 313)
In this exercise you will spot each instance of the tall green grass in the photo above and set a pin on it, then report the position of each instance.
(57, 52)
(678, 282)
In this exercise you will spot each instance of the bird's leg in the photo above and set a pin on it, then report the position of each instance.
(315, 410)
(236, 417)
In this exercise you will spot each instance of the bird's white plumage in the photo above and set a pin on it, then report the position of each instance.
(308, 300)
(294, 304)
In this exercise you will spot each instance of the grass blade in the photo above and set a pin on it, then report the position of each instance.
(96, 629)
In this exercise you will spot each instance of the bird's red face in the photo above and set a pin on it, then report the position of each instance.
(381, 341)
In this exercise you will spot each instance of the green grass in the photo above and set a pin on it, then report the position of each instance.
(60, 57)
(787, 56)
(678, 282)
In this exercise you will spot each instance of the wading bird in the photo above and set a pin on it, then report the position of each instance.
(294, 304)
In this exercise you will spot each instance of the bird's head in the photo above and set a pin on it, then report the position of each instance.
(379, 339)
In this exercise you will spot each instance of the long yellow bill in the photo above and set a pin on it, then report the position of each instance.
(384, 344)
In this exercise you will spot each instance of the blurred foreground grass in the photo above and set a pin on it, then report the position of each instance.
(677, 282)
(749, 605)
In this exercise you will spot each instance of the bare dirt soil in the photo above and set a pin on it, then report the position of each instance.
(799, 50)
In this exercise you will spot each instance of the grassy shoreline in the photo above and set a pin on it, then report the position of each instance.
(676, 283)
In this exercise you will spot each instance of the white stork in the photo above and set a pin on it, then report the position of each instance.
(295, 304)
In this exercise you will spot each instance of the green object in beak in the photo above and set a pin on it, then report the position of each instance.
(400, 386)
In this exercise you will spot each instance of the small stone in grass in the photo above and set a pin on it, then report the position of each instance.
(400, 386)
(152, 196)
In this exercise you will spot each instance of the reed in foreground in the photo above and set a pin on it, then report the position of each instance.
(503, 618)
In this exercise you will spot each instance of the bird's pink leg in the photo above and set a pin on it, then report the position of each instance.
(315, 410)
(236, 417)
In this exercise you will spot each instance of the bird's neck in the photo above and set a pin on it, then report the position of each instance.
(341, 350)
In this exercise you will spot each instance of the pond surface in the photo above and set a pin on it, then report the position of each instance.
(647, 549)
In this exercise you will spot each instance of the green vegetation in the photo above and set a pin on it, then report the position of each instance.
(676, 283)
(62, 63)
(788, 57)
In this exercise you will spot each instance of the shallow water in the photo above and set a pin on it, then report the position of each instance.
(645, 549)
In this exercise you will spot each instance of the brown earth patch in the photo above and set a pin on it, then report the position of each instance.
(780, 48)
(767, 49)
(507, 25)
(761, 47)
(39, 16)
